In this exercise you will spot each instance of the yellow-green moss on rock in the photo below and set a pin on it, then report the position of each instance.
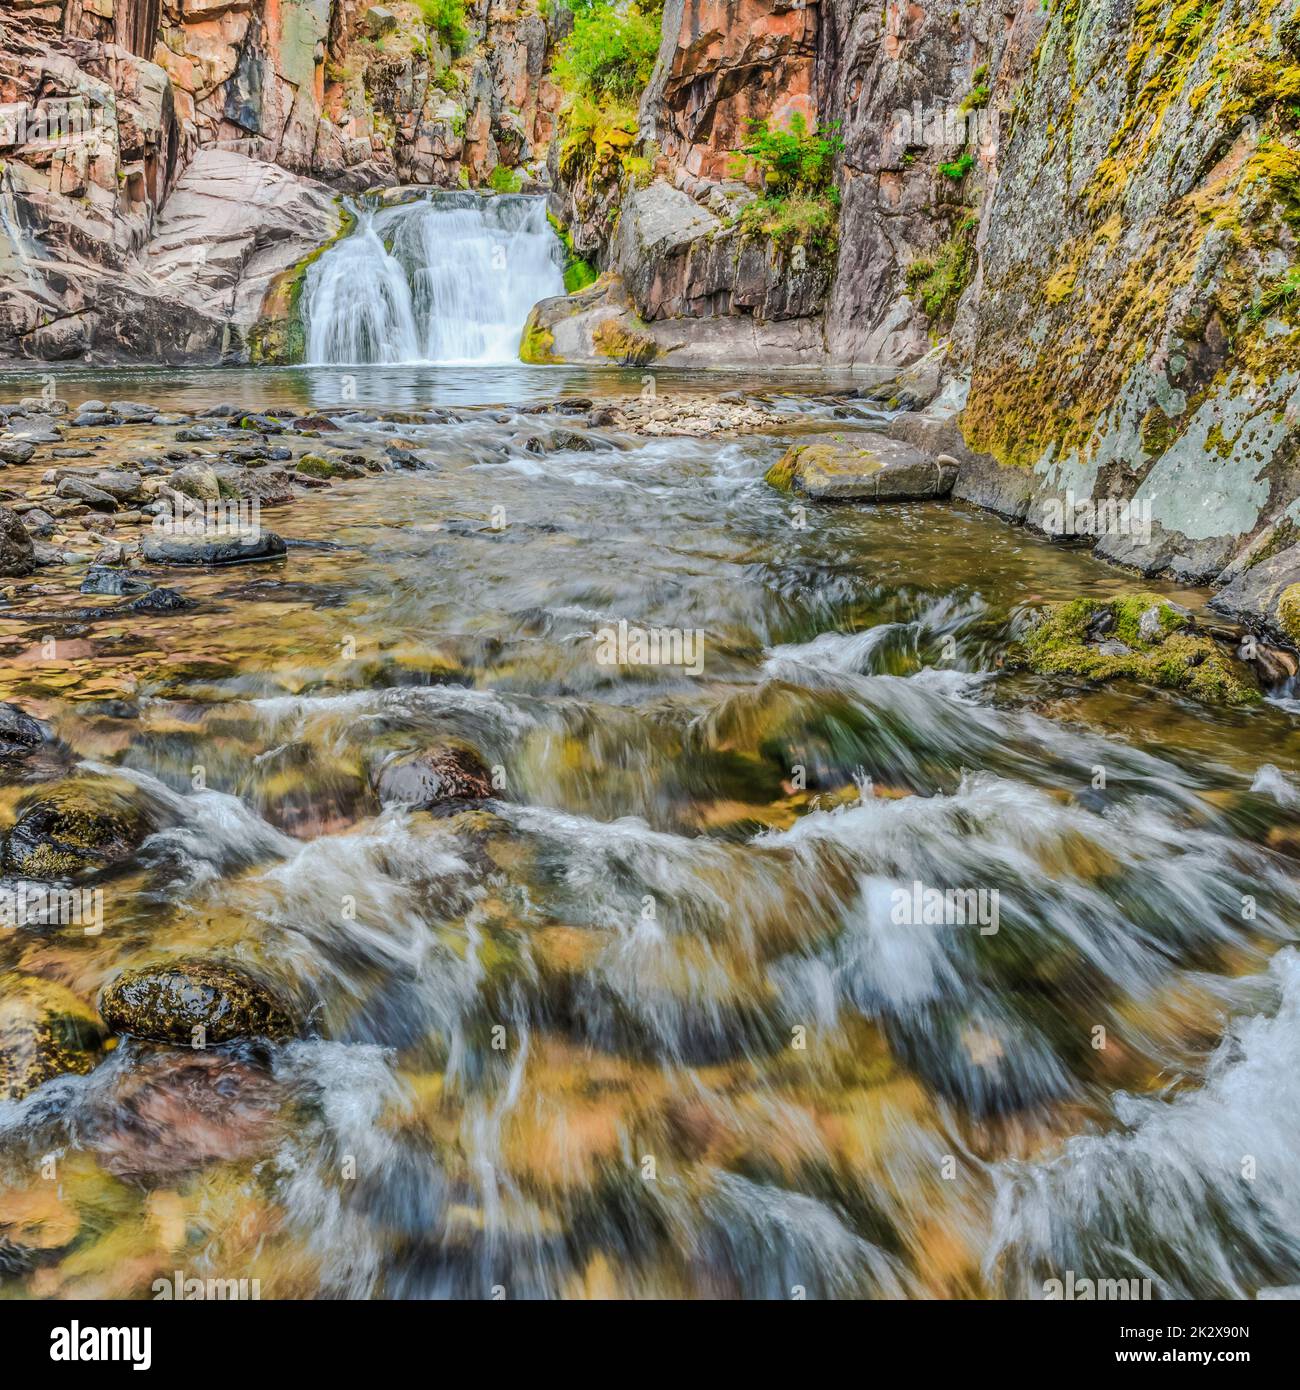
(45, 1031)
(1140, 637)
(85, 824)
(1288, 611)
(537, 346)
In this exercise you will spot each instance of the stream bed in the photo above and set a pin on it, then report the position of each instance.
(659, 1018)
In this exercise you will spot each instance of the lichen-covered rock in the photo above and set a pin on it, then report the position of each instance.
(318, 466)
(1140, 637)
(193, 1001)
(17, 553)
(434, 777)
(863, 468)
(45, 1031)
(81, 826)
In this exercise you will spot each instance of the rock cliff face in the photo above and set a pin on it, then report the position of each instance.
(1084, 217)
(112, 109)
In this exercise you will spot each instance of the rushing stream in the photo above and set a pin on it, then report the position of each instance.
(648, 1023)
(446, 278)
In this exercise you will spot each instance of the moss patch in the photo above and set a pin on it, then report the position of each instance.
(624, 343)
(537, 346)
(1085, 637)
(1288, 611)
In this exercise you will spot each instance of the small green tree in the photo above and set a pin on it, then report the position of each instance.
(448, 20)
(796, 159)
(610, 53)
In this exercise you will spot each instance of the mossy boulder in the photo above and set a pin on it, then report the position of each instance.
(80, 826)
(537, 346)
(45, 1031)
(862, 468)
(194, 1001)
(318, 466)
(1288, 611)
(449, 773)
(1141, 637)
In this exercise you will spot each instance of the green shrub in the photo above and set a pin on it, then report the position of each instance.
(595, 136)
(959, 168)
(1283, 293)
(504, 180)
(794, 158)
(937, 282)
(610, 53)
(447, 19)
(803, 218)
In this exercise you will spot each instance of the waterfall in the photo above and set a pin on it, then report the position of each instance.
(449, 278)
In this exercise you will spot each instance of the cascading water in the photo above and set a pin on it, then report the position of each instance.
(447, 279)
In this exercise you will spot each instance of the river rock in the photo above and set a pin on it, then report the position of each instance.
(317, 466)
(115, 582)
(80, 490)
(20, 734)
(38, 522)
(162, 600)
(45, 1031)
(862, 468)
(133, 412)
(168, 1114)
(1137, 637)
(451, 772)
(171, 1003)
(123, 485)
(81, 826)
(17, 553)
(198, 481)
(16, 450)
(220, 550)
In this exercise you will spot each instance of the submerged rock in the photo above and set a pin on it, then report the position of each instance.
(84, 825)
(172, 1003)
(115, 582)
(433, 777)
(167, 1115)
(16, 450)
(863, 469)
(45, 1031)
(1140, 637)
(162, 600)
(20, 734)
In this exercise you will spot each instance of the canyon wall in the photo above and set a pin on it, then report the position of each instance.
(183, 157)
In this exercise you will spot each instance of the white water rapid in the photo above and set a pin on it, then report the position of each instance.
(447, 279)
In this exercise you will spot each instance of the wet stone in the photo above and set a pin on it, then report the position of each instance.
(102, 580)
(223, 550)
(168, 1003)
(434, 777)
(82, 826)
(45, 1031)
